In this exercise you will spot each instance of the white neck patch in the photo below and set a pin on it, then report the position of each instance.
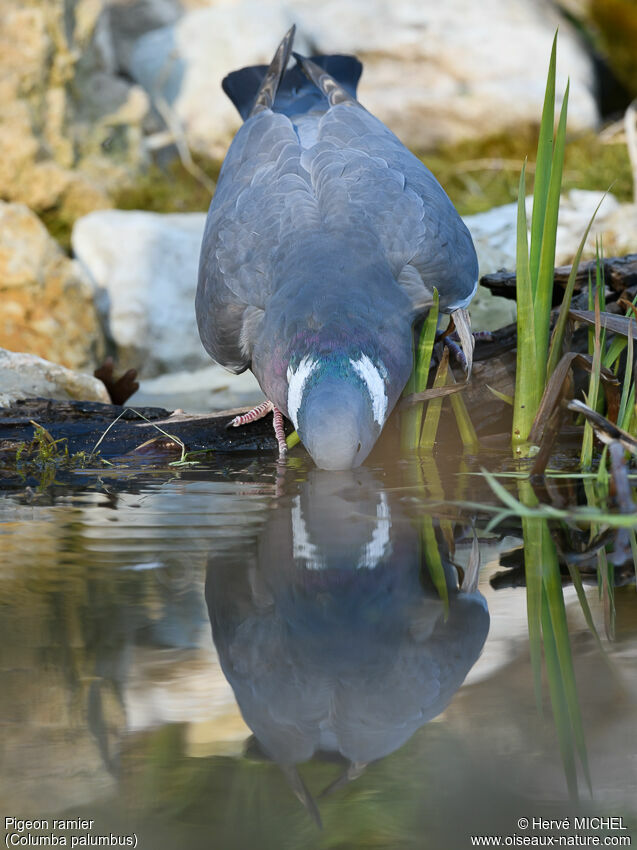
(297, 379)
(375, 385)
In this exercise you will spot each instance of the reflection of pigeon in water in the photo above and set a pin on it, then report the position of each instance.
(323, 244)
(334, 638)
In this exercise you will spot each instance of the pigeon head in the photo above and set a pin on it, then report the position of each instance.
(333, 349)
(338, 405)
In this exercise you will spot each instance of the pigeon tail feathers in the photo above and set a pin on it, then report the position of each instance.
(296, 93)
(325, 82)
(273, 76)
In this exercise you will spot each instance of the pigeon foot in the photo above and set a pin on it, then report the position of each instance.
(259, 412)
(462, 324)
(451, 341)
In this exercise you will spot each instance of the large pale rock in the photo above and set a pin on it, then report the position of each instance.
(144, 269)
(494, 231)
(46, 302)
(199, 391)
(434, 72)
(27, 376)
(70, 130)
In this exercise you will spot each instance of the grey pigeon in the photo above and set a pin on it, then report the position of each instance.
(323, 244)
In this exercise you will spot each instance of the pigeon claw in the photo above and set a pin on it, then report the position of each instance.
(462, 324)
(259, 412)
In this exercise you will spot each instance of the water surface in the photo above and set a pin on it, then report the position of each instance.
(245, 654)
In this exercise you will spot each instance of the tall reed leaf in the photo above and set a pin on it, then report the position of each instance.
(411, 424)
(544, 282)
(586, 456)
(432, 416)
(535, 264)
(543, 165)
(628, 385)
(526, 398)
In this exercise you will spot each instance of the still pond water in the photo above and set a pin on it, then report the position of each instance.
(243, 654)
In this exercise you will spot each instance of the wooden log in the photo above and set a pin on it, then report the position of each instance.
(82, 424)
(620, 273)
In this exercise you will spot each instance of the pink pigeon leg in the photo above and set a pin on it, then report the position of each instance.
(259, 412)
(279, 431)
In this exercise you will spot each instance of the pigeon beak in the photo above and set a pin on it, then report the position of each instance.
(462, 323)
(335, 424)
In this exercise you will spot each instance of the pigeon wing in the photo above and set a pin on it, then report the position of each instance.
(390, 191)
(262, 194)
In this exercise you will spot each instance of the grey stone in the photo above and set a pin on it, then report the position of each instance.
(28, 376)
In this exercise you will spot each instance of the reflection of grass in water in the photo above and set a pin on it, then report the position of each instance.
(548, 632)
(401, 801)
(548, 629)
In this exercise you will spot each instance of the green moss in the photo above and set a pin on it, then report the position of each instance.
(159, 189)
(169, 189)
(592, 164)
(59, 224)
(478, 175)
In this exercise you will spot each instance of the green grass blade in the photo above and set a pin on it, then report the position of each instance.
(543, 166)
(292, 440)
(591, 308)
(507, 399)
(465, 425)
(600, 289)
(628, 377)
(544, 283)
(426, 344)
(586, 455)
(432, 416)
(411, 424)
(526, 398)
(626, 421)
(615, 349)
(463, 421)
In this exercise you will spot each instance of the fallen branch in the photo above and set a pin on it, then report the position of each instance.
(620, 273)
